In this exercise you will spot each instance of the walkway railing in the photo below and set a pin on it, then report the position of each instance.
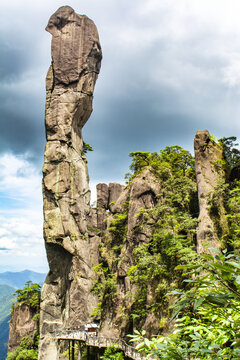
(98, 341)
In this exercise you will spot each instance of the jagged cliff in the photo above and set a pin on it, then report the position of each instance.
(76, 60)
(115, 263)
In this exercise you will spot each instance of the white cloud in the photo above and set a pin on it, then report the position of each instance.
(231, 73)
(19, 179)
(21, 214)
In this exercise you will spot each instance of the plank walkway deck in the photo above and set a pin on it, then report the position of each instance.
(97, 341)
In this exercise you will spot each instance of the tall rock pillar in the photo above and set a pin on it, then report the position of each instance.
(209, 164)
(76, 60)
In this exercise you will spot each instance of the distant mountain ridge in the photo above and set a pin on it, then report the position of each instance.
(18, 279)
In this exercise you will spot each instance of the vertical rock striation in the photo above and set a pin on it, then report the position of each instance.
(76, 60)
(209, 163)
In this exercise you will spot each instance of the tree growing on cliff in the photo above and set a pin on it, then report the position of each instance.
(30, 294)
(28, 350)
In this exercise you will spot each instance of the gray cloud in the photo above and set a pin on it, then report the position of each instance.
(169, 68)
(162, 78)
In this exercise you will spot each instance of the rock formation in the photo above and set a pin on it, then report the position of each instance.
(76, 60)
(209, 163)
(117, 202)
(21, 324)
(94, 253)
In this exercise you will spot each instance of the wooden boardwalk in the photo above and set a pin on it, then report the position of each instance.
(97, 341)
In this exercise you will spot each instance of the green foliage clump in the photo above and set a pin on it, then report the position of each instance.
(207, 314)
(28, 349)
(112, 353)
(30, 294)
(118, 226)
(171, 159)
(86, 147)
(231, 153)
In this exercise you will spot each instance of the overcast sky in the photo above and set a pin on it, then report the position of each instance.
(170, 67)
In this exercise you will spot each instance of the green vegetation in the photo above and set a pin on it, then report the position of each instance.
(171, 227)
(30, 294)
(86, 147)
(28, 348)
(206, 310)
(172, 159)
(164, 267)
(231, 153)
(224, 204)
(112, 353)
(110, 250)
(233, 215)
(206, 313)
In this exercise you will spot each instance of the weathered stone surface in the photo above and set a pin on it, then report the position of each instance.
(21, 324)
(209, 161)
(140, 194)
(102, 196)
(118, 205)
(76, 59)
(75, 49)
(115, 191)
(143, 194)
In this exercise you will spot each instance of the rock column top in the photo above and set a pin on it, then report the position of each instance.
(75, 44)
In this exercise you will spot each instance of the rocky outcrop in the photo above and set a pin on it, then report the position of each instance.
(210, 173)
(21, 324)
(76, 59)
(91, 250)
(123, 204)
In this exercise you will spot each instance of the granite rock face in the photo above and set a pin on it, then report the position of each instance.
(116, 200)
(209, 164)
(76, 60)
(21, 324)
